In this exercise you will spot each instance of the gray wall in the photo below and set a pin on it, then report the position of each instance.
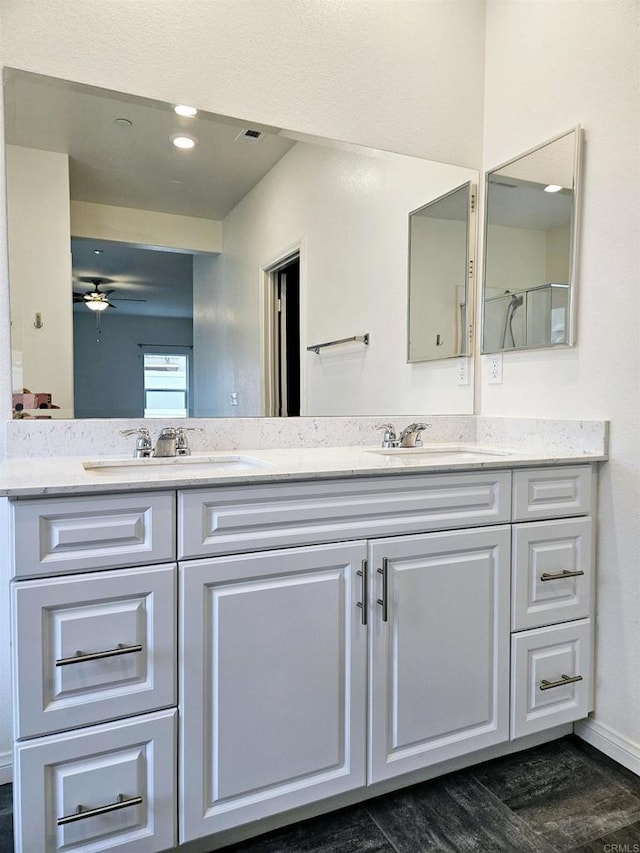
(108, 367)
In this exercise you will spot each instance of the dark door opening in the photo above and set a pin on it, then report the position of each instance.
(287, 343)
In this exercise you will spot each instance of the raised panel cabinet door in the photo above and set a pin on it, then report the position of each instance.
(235, 519)
(552, 572)
(93, 647)
(54, 536)
(552, 676)
(439, 648)
(109, 787)
(272, 685)
(555, 492)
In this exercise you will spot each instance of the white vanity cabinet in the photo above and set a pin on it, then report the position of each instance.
(319, 638)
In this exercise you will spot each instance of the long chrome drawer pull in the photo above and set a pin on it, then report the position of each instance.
(564, 679)
(384, 601)
(82, 813)
(558, 576)
(364, 604)
(82, 657)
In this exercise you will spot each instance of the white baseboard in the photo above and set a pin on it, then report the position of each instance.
(611, 742)
(6, 768)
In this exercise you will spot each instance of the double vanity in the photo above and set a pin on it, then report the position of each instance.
(209, 646)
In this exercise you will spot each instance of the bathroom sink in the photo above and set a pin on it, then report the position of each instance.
(172, 464)
(437, 451)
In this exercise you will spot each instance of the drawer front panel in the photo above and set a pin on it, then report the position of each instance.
(551, 492)
(551, 677)
(121, 776)
(251, 518)
(78, 534)
(93, 647)
(552, 571)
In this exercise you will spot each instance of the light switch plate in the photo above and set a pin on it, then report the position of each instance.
(462, 371)
(494, 368)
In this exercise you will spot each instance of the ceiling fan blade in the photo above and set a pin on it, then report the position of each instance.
(126, 299)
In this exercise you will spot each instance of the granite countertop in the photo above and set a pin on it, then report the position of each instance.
(70, 475)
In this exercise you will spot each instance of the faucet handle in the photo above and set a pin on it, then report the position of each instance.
(389, 439)
(144, 447)
(182, 444)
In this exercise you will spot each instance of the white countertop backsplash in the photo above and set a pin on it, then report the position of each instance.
(27, 439)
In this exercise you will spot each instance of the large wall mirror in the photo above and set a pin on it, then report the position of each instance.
(441, 249)
(530, 248)
(167, 264)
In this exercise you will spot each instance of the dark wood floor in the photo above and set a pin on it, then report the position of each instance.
(563, 796)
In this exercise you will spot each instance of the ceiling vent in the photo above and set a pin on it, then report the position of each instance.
(249, 135)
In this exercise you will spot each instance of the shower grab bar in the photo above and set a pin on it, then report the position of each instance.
(360, 338)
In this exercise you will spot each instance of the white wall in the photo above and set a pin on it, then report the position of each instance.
(40, 251)
(548, 67)
(109, 366)
(358, 205)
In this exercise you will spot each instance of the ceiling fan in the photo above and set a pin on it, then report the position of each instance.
(98, 300)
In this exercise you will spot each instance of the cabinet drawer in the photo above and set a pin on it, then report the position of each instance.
(552, 568)
(76, 534)
(252, 518)
(551, 492)
(94, 769)
(541, 660)
(124, 625)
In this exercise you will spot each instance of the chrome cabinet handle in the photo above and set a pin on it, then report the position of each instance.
(384, 601)
(564, 679)
(364, 604)
(82, 813)
(558, 576)
(82, 657)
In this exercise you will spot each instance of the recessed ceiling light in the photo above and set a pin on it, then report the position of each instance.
(553, 188)
(123, 122)
(180, 140)
(183, 110)
(97, 251)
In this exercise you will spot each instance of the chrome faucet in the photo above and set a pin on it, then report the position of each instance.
(411, 436)
(166, 443)
(172, 441)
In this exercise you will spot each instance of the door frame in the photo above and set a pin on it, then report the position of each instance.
(268, 271)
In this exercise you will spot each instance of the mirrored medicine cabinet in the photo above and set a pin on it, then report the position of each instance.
(529, 289)
(189, 246)
(441, 252)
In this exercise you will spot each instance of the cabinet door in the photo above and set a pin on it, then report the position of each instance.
(439, 655)
(272, 685)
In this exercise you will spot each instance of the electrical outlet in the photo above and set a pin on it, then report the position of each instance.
(234, 398)
(494, 369)
(462, 374)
